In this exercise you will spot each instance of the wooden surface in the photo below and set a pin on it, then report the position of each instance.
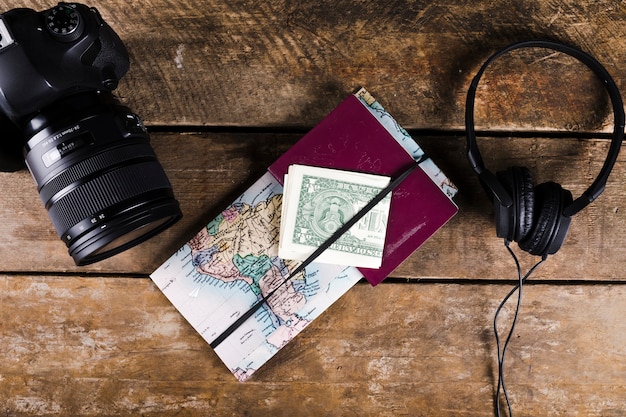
(225, 87)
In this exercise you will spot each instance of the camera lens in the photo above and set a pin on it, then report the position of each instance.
(98, 176)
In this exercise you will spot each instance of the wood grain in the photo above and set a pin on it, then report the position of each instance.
(280, 63)
(216, 167)
(85, 346)
(225, 87)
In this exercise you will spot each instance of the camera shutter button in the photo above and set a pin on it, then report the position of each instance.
(64, 23)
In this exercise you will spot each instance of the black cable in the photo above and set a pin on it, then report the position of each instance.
(502, 351)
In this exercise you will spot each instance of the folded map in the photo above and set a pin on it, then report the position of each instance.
(232, 262)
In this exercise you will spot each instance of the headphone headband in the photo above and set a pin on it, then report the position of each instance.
(596, 188)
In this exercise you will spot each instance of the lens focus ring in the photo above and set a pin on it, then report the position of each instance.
(82, 171)
(92, 197)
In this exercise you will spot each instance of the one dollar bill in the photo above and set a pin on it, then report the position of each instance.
(318, 201)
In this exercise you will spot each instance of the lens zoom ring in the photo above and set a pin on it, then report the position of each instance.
(87, 167)
(105, 191)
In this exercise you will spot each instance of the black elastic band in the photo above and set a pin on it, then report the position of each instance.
(343, 229)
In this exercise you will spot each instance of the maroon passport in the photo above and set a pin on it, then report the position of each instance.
(360, 136)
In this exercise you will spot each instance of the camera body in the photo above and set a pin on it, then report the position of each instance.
(91, 159)
(45, 56)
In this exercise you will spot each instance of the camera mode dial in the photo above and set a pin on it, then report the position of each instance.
(64, 22)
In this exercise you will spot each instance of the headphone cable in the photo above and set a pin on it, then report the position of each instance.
(501, 349)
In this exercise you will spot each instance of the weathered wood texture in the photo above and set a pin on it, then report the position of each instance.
(286, 63)
(89, 346)
(226, 87)
(215, 167)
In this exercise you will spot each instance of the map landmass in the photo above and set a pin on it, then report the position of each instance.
(231, 264)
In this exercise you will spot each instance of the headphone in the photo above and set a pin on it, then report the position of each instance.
(538, 217)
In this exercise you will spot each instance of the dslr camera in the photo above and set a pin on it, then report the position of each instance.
(96, 173)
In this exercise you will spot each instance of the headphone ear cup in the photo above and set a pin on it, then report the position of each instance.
(550, 226)
(515, 222)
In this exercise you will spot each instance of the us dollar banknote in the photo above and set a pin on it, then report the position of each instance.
(318, 201)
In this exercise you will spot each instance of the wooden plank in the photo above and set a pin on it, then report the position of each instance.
(209, 170)
(206, 171)
(102, 340)
(238, 63)
(593, 248)
(272, 64)
(85, 347)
